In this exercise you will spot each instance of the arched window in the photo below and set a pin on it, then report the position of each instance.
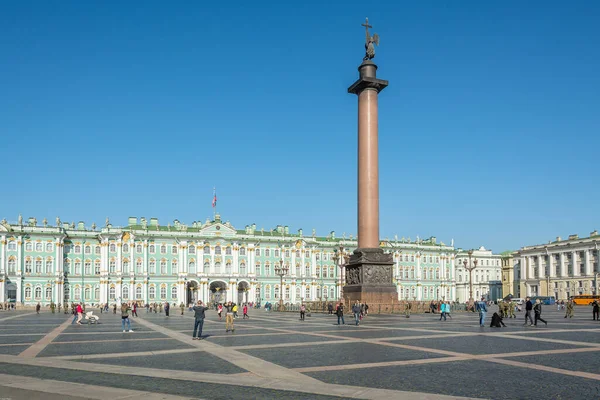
(27, 265)
(48, 293)
(12, 245)
(67, 266)
(28, 246)
(49, 265)
(88, 249)
(307, 270)
(174, 250)
(97, 267)
(112, 266)
(77, 249)
(38, 293)
(297, 269)
(257, 252)
(174, 266)
(331, 272)
(163, 292)
(324, 272)
(318, 269)
(242, 268)
(206, 267)
(192, 249)
(125, 266)
(111, 293)
(297, 293)
(267, 269)
(152, 292)
(307, 294)
(437, 273)
(268, 292)
(97, 293)
(206, 249)
(49, 247)
(138, 266)
(97, 250)
(217, 267)
(138, 248)
(174, 292)
(67, 293)
(267, 253)
(151, 249)
(298, 253)
(38, 266)
(217, 249)
(88, 267)
(39, 247)
(125, 248)
(331, 293)
(287, 253)
(77, 294)
(77, 267)
(28, 292)
(163, 249)
(228, 267)
(242, 251)
(318, 292)
(88, 293)
(152, 266)
(138, 293)
(163, 267)
(192, 267)
(287, 293)
(112, 248)
(125, 292)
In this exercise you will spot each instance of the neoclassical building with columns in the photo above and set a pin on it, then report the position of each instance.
(147, 262)
(561, 268)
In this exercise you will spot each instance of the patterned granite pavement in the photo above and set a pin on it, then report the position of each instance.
(273, 355)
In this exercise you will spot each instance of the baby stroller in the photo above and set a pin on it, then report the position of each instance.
(92, 319)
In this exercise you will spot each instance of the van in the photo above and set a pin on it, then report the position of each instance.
(518, 300)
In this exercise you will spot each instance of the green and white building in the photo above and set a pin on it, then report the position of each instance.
(148, 262)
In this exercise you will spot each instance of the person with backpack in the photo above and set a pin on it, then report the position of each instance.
(125, 309)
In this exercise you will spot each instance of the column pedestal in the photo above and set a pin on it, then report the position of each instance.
(369, 278)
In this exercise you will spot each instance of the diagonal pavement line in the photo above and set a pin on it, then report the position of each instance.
(120, 355)
(251, 380)
(538, 367)
(328, 368)
(41, 344)
(114, 340)
(256, 365)
(16, 316)
(539, 352)
(71, 389)
(549, 340)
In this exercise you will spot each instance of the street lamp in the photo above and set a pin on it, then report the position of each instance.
(343, 261)
(281, 271)
(470, 267)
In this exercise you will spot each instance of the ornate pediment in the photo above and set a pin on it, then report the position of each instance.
(218, 229)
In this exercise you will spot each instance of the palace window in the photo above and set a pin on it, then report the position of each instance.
(268, 292)
(228, 267)
(174, 250)
(163, 249)
(97, 267)
(192, 267)
(77, 294)
(49, 266)
(39, 247)
(267, 253)
(332, 293)
(77, 249)
(88, 249)
(243, 268)
(218, 250)
(163, 292)
(267, 270)
(318, 292)
(163, 267)
(217, 267)
(28, 292)
(138, 293)
(125, 248)
(412, 258)
(298, 253)
(192, 249)
(112, 266)
(298, 293)
(242, 251)
(67, 266)
(152, 249)
(228, 250)
(152, 292)
(174, 266)
(257, 252)
(88, 293)
(97, 250)
(138, 266)
(48, 247)
(112, 248)
(276, 253)
(88, 267)
(307, 270)
(125, 292)
(27, 264)
(287, 253)
(297, 269)
(138, 248)
(77, 267)
(28, 246)
(276, 292)
(307, 254)
(206, 249)
(318, 272)
(174, 292)
(331, 272)
(287, 293)
(307, 293)
(111, 293)
(48, 293)
(97, 293)
(125, 267)
(206, 267)
(38, 266)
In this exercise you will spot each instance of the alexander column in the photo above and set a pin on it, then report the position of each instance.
(370, 271)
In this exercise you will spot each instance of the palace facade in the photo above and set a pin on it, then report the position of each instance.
(212, 261)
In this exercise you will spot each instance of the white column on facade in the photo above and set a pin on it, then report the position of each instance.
(19, 257)
(236, 258)
(251, 256)
(418, 267)
(3, 254)
(541, 270)
(313, 265)
(551, 266)
(145, 291)
(588, 264)
(575, 263)
(131, 290)
(562, 265)
(132, 263)
(523, 263)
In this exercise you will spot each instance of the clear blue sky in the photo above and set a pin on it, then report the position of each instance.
(489, 130)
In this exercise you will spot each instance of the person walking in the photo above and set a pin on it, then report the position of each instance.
(125, 308)
(482, 310)
(245, 312)
(235, 310)
(596, 310)
(79, 314)
(339, 311)
(199, 315)
(537, 310)
(219, 310)
(528, 309)
(356, 312)
(167, 308)
(302, 312)
(115, 308)
(37, 308)
(182, 307)
(570, 310)
(445, 310)
(229, 317)
(134, 310)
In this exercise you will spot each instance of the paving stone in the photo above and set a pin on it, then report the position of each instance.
(462, 378)
(20, 339)
(197, 361)
(590, 337)
(213, 391)
(125, 346)
(583, 362)
(14, 350)
(377, 333)
(79, 337)
(240, 340)
(336, 354)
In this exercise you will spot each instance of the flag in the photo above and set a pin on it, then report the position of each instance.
(214, 202)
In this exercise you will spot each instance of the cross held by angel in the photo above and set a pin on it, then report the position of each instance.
(370, 42)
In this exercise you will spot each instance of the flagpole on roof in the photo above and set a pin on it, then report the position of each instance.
(214, 203)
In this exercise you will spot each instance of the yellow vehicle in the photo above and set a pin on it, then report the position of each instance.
(585, 299)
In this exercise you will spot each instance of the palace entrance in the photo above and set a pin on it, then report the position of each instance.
(191, 292)
(218, 292)
(243, 289)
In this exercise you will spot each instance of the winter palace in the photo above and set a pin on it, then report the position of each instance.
(212, 261)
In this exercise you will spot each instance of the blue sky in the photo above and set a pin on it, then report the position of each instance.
(488, 129)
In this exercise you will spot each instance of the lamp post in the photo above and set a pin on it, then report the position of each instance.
(470, 267)
(281, 271)
(336, 259)
(343, 259)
